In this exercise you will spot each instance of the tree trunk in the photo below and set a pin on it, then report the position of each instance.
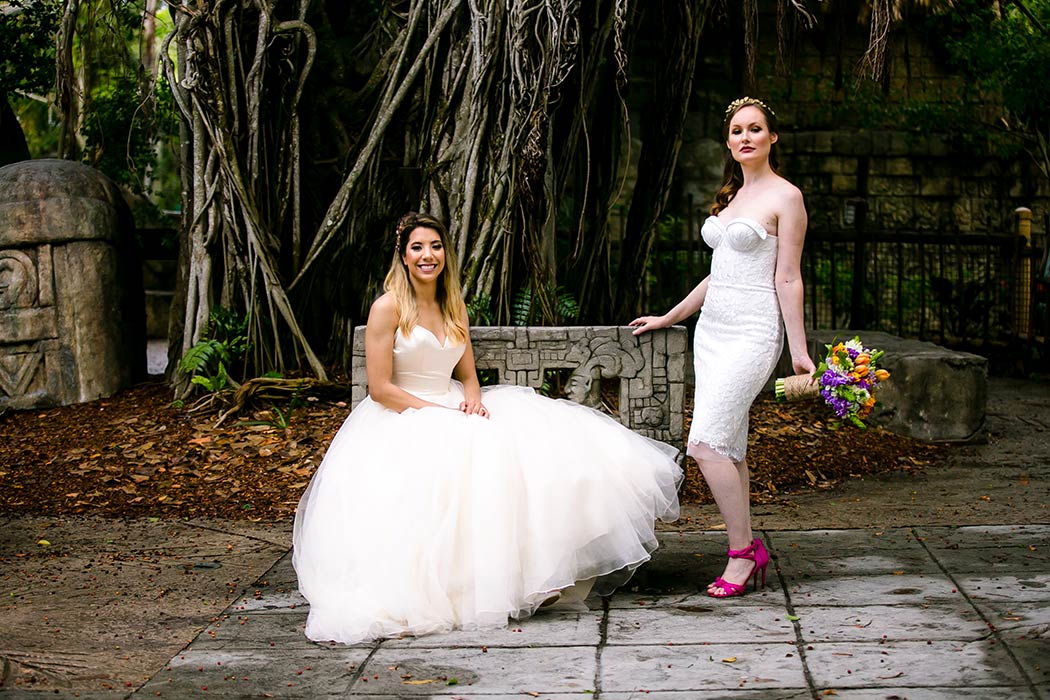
(65, 78)
(682, 22)
(13, 146)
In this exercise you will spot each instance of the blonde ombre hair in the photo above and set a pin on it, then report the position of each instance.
(449, 293)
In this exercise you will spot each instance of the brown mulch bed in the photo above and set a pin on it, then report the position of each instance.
(135, 455)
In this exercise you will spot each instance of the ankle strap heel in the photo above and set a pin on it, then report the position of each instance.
(756, 552)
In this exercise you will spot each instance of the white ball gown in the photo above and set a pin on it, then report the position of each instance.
(430, 519)
(739, 335)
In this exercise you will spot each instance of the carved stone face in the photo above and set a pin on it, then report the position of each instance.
(17, 280)
(583, 386)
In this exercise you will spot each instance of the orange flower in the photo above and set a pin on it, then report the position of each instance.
(862, 359)
(870, 402)
(882, 375)
(860, 371)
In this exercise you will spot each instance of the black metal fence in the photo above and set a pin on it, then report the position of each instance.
(984, 292)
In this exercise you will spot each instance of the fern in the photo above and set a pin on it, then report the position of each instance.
(224, 344)
(524, 311)
(566, 308)
(202, 355)
(521, 310)
(479, 310)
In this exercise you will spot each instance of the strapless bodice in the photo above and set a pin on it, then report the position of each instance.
(422, 365)
(745, 254)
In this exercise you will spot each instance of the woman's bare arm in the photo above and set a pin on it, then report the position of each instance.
(791, 229)
(379, 358)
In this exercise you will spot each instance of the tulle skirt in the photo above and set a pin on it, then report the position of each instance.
(430, 520)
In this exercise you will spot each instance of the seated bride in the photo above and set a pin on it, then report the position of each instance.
(442, 505)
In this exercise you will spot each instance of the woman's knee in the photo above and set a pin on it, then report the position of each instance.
(702, 453)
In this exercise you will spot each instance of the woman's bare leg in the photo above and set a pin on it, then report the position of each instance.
(730, 485)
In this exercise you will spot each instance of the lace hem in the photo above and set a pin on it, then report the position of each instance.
(726, 451)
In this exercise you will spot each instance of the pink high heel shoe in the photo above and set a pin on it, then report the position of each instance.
(756, 552)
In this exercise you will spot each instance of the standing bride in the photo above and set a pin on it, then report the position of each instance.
(754, 292)
(442, 505)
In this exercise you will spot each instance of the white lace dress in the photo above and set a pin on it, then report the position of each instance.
(428, 520)
(739, 336)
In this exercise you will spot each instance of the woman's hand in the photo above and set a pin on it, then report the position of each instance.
(648, 323)
(474, 407)
(803, 364)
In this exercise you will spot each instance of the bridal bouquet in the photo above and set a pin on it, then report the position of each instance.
(847, 379)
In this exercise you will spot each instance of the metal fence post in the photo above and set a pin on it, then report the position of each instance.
(857, 317)
(1023, 295)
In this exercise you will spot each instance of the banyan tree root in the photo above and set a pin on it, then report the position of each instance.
(269, 390)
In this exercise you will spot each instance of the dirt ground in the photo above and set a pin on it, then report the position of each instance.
(135, 455)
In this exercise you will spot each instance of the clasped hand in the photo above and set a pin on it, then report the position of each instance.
(474, 407)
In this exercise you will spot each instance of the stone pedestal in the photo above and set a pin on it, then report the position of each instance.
(71, 310)
(934, 393)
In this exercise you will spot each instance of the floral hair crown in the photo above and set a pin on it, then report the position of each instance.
(401, 226)
(746, 101)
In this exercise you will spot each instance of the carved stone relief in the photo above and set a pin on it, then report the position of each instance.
(69, 324)
(650, 367)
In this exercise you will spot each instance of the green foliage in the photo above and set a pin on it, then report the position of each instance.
(128, 127)
(120, 129)
(1007, 56)
(27, 44)
(526, 309)
(479, 310)
(208, 361)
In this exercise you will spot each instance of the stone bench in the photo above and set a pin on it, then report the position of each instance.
(651, 368)
(934, 393)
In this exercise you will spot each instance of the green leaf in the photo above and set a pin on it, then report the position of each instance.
(205, 382)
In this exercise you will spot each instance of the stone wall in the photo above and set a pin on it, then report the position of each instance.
(909, 181)
(900, 144)
(651, 368)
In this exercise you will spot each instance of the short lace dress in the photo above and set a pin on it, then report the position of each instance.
(739, 335)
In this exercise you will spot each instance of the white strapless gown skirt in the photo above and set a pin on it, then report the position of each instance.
(431, 520)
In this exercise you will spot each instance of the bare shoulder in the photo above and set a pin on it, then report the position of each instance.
(789, 195)
(383, 312)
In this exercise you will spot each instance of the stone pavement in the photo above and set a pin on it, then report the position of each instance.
(890, 600)
(916, 613)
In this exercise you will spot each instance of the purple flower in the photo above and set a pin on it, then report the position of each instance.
(830, 378)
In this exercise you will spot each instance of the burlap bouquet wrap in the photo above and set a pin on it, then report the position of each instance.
(796, 388)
